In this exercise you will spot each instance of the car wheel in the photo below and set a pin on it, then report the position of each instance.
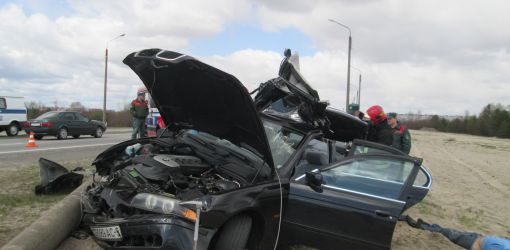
(76, 136)
(62, 134)
(235, 233)
(12, 130)
(38, 137)
(98, 133)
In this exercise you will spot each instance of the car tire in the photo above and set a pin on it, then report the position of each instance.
(38, 137)
(98, 133)
(12, 130)
(235, 233)
(62, 134)
(76, 136)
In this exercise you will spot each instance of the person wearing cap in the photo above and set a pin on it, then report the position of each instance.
(139, 110)
(379, 130)
(401, 135)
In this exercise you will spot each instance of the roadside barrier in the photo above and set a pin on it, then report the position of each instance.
(31, 141)
(52, 227)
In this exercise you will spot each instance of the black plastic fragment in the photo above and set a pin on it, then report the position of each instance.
(56, 178)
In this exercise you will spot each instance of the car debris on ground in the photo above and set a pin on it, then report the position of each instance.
(56, 178)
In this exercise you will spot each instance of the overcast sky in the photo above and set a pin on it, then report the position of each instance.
(443, 57)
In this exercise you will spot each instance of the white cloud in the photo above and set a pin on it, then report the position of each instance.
(63, 58)
(435, 56)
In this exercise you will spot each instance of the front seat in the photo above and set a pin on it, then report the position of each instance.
(313, 159)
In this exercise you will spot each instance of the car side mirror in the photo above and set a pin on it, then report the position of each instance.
(314, 180)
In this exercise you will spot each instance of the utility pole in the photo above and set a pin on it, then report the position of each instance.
(348, 63)
(106, 75)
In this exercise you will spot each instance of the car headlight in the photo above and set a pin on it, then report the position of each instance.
(162, 205)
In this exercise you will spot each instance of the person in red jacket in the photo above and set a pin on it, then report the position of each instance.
(139, 110)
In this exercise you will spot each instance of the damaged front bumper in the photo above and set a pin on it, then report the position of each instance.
(149, 231)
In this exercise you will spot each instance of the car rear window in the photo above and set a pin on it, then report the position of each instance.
(47, 115)
(3, 105)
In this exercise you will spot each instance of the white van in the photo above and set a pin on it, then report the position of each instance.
(13, 114)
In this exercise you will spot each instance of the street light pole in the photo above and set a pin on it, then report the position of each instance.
(359, 85)
(348, 62)
(106, 75)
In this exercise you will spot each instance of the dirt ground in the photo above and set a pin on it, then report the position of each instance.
(470, 191)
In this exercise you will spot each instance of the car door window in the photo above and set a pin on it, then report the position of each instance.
(3, 105)
(379, 176)
(68, 117)
(81, 118)
(421, 179)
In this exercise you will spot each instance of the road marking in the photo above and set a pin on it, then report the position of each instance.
(47, 149)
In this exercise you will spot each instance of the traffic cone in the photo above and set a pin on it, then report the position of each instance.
(31, 141)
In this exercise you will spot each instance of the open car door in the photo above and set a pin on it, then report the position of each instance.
(354, 203)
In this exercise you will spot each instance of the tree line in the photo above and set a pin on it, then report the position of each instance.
(120, 118)
(493, 121)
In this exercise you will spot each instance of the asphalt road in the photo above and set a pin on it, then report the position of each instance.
(13, 152)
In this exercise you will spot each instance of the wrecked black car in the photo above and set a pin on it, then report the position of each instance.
(236, 172)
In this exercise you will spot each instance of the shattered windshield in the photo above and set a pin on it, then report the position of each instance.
(282, 141)
(285, 107)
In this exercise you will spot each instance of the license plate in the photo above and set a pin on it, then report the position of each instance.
(107, 233)
(35, 124)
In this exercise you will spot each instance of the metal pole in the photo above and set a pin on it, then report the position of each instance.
(348, 63)
(348, 74)
(359, 90)
(358, 93)
(105, 82)
(195, 233)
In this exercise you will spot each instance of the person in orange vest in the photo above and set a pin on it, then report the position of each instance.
(139, 110)
(401, 135)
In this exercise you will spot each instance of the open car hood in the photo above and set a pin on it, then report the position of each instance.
(192, 94)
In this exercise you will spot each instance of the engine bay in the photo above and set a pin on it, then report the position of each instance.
(181, 169)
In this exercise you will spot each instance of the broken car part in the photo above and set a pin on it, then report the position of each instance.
(56, 178)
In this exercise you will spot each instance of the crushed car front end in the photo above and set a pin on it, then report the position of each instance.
(142, 199)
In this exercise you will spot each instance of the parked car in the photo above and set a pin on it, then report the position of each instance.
(243, 173)
(64, 123)
(12, 114)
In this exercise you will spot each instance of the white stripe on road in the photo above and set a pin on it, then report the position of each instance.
(47, 149)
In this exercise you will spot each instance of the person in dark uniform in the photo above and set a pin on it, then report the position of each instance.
(401, 135)
(379, 130)
(139, 110)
